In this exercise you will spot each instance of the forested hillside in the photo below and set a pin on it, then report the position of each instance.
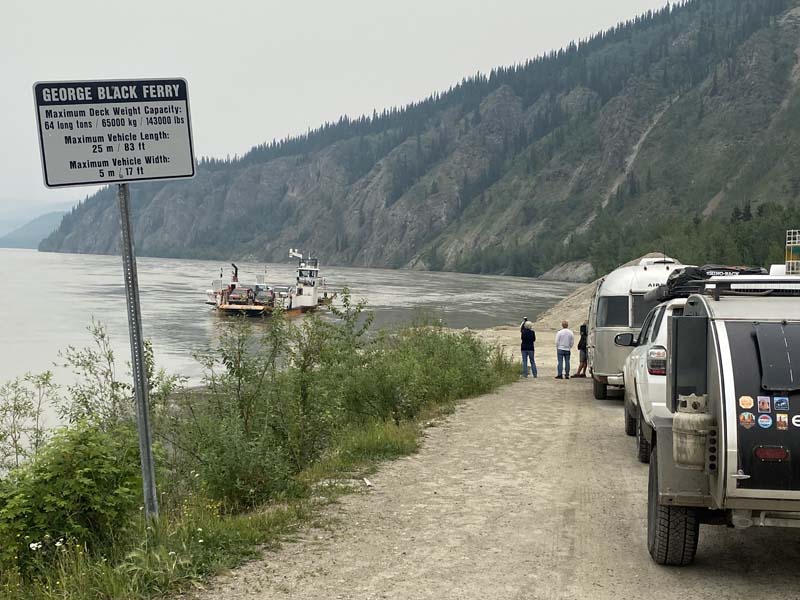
(675, 130)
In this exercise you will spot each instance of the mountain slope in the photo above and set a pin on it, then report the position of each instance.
(684, 112)
(32, 233)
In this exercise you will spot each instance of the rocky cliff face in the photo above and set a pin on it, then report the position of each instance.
(684, 111)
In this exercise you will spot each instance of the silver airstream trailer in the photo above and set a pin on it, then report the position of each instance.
(619, 306)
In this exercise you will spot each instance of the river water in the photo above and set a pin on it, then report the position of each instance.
(49, 299)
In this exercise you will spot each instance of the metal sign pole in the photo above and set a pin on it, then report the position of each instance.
(137, 355)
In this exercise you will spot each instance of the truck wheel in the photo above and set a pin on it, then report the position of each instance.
(672, 531)
(642, 444)
(630, 422)
(600, 390)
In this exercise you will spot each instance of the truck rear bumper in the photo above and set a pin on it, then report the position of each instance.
(763, 504)
(617, 379)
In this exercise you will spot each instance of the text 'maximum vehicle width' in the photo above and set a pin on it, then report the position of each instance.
(114, 131)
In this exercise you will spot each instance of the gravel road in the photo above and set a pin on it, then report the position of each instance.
(533, 492)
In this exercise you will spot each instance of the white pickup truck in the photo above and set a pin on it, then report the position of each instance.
(645, 373)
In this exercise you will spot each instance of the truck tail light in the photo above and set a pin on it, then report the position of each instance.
(772, 453)
(657, 360)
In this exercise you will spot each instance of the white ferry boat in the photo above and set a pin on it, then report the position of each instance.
(308, 292)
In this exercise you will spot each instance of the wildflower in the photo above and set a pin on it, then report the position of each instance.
(199, 530)
(35, 546)
(200, 541)
(172, 553)
(59, 543)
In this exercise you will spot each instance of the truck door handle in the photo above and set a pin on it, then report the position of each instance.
(740, 475)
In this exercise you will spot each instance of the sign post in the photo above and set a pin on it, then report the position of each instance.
(138, 366)
(117, 131)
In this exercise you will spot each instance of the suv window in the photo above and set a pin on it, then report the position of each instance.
(641, 308)
(652, 332)
(677, 311)
(643, 334)
(612, 311)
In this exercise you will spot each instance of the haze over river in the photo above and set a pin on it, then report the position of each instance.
(49, 299)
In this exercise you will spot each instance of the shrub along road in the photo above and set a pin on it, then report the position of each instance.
(531, 492)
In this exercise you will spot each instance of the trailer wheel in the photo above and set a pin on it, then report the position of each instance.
(600, 390)
(630, 422)
(642, 443)
(672, 531)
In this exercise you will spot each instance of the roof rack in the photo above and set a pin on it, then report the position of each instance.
(693, 280)
(665, 292)
(753, 285)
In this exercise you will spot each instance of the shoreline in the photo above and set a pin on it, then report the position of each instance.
(574, 309)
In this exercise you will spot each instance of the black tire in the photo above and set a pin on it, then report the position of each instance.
(672, 531)
(642, 443)
(630, 422)
(600, 390)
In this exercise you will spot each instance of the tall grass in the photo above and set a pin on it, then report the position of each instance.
(285, 407)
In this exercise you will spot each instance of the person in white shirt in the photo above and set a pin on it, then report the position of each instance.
(565, 339)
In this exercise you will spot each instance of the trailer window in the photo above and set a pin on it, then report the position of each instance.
(779, 354)
(612, 311)
(641, 308)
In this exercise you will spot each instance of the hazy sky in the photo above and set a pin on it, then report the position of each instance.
(261, 70)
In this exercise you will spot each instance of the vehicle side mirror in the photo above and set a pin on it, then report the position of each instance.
(624, 339)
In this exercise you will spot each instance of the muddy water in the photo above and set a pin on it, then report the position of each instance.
(48, 300)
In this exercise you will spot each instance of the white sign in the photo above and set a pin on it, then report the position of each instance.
(102, 132)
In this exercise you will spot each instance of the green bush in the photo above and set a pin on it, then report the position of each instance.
(82, 488)
(430, 365)
(278, 401)
(240, 469)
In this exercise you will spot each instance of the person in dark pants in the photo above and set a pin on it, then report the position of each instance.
(527, 348)
(565, 339)
(583, 348)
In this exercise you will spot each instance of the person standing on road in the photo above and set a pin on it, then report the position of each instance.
(565, 339)
(583, 347)
(528, 338)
